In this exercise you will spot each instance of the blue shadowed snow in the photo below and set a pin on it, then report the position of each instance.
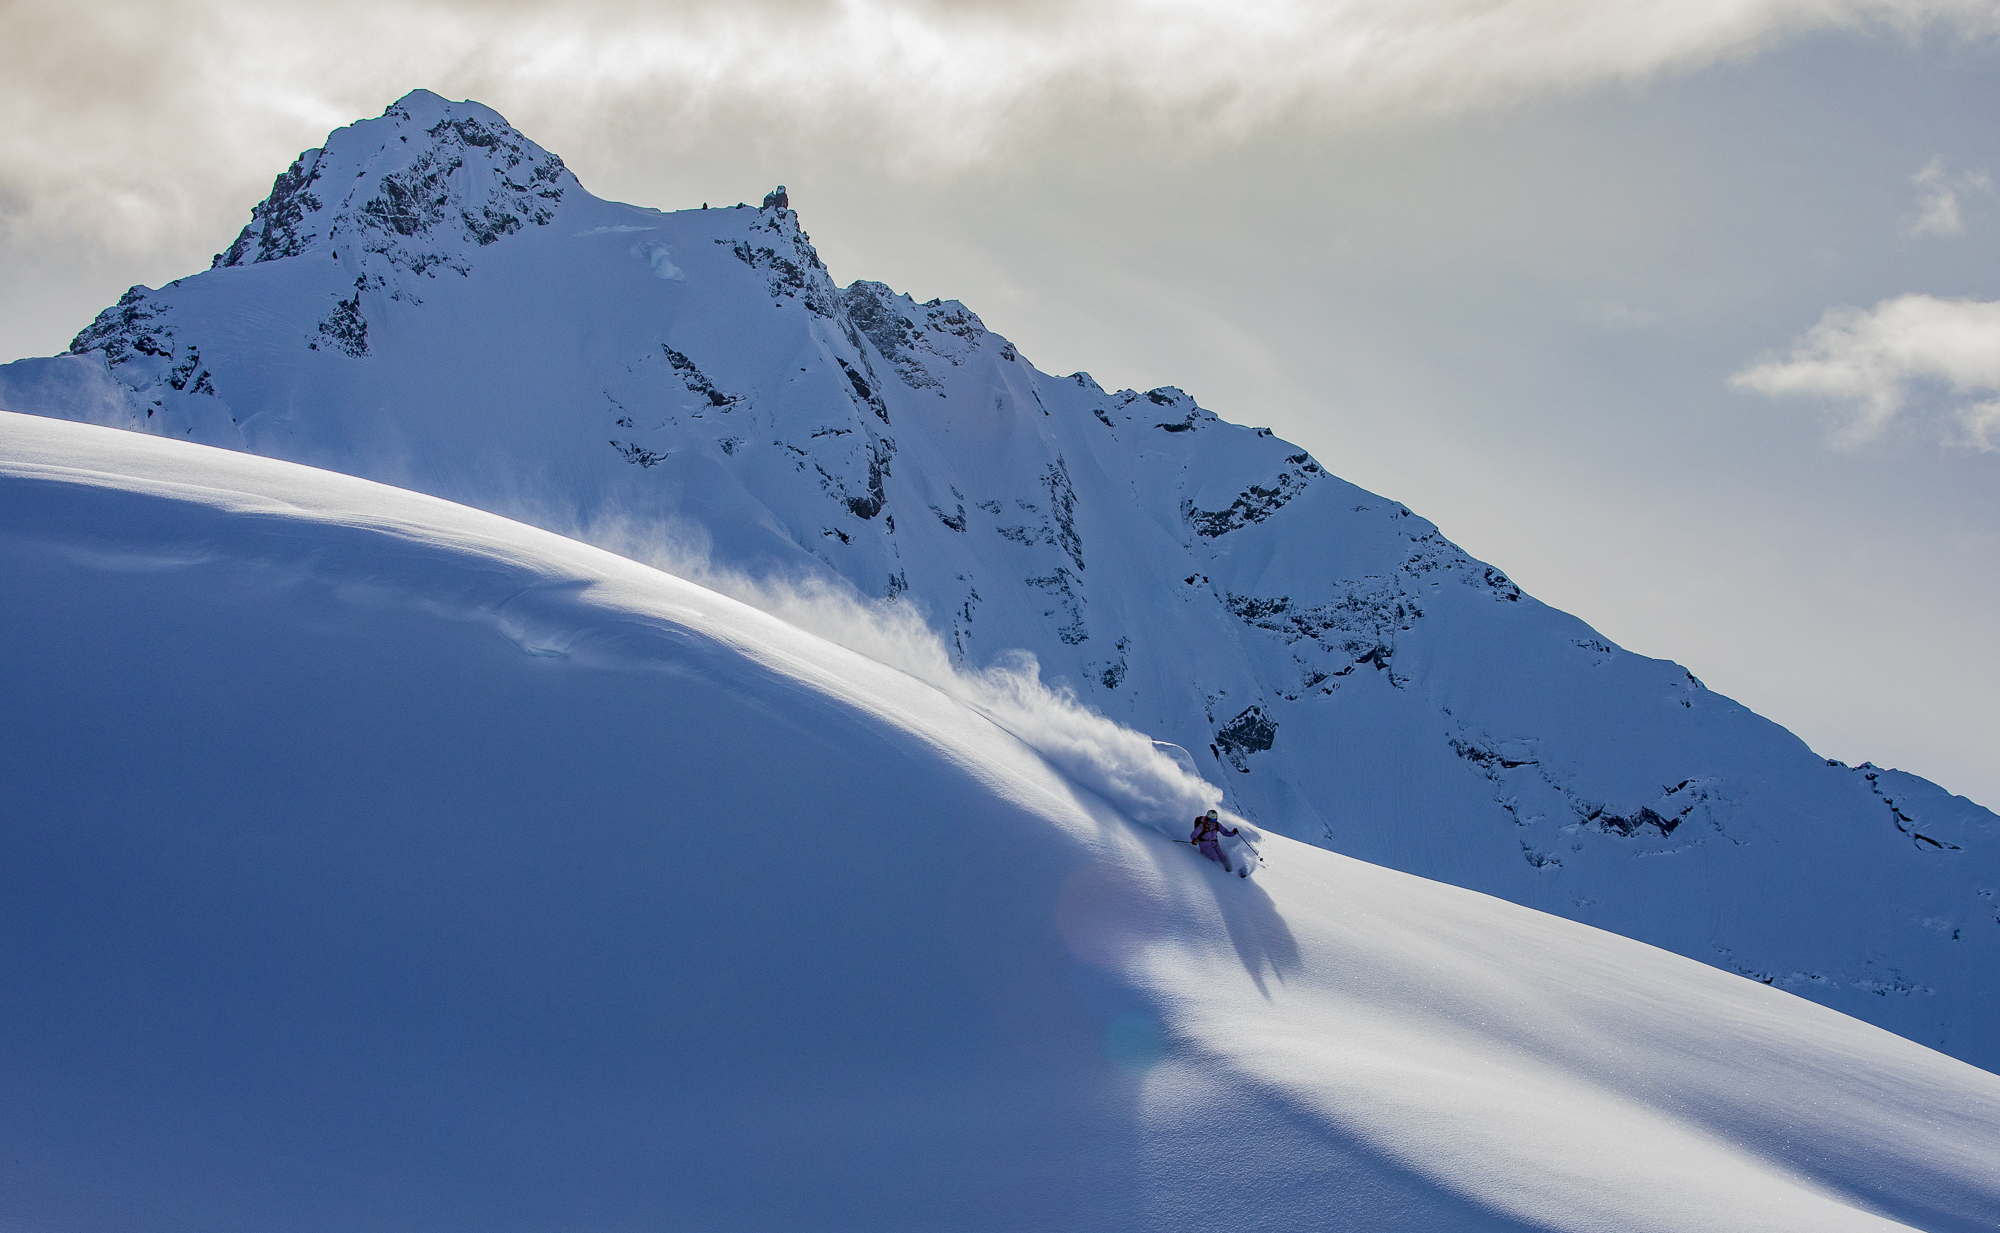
(373, 862)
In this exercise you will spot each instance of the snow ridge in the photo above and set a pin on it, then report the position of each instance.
(328, 908)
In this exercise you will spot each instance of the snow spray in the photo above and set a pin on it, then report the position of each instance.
(1142, 778)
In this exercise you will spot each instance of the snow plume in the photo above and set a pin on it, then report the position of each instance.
(1871, 359)
(656, 255)
(1124, 767)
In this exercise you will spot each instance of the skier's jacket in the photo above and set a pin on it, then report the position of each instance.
(1208, 830)
(1209, 837)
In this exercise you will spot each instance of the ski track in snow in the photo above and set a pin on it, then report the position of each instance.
(373, 861)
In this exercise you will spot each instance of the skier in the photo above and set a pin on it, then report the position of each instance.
(1207, 837)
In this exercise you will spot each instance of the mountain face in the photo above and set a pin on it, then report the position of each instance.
(372, 862)
(433, 301)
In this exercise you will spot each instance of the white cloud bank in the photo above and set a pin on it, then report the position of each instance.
(109, 105)
(1868, 362)
(1938, 196)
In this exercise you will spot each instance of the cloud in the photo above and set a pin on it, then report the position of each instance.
(1867, 363)
(109, 105)
(1938, 193)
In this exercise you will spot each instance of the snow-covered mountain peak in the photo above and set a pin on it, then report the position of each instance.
(650, 380)
(390, 203)
(415, 186)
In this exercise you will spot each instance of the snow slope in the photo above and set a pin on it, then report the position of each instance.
(371, 861)
(432, 301)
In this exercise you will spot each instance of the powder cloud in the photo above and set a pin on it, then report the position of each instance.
(1144, 780)
(659, 260)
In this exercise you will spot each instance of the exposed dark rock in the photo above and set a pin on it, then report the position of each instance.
(1252, 731)
(1359, 623)
(184, 376)
(697, 381)
(1062, 585)
(133, 324)
(865, 392)
(908, 335)
(469, 132)
(490, 224)
(1254, 504)
(274, 228)
(345, 327)
(866, 507)
(639, 454)
(1904, 822)
(414, 202)
(1114, 675)
(1631, 823)
(795, 269)
(1062, 503)
(1511, 593)
(872, 308)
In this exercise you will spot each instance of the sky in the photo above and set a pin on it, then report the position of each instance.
(1683, 314)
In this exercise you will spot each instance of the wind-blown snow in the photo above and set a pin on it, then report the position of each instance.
(432, 300)
(375, 862)
(1147, 783)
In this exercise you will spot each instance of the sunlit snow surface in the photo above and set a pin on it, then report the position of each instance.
(373, 862)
